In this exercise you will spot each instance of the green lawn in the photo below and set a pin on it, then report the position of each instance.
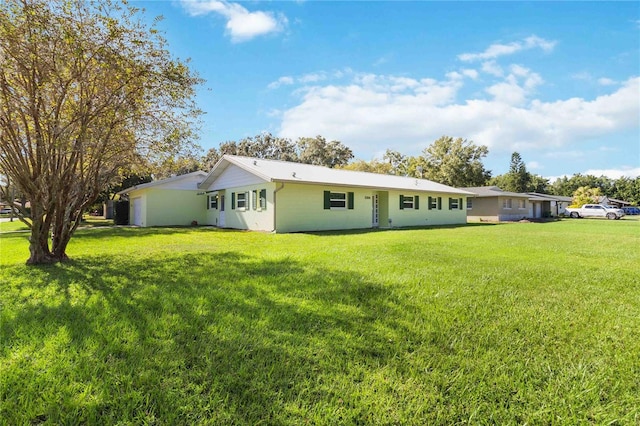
(486, 324)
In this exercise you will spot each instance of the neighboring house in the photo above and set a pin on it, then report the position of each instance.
(552, 205)
(280, 196)
(491, 203)
(607, 201)
(171, 201)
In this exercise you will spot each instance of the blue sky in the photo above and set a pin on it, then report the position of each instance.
(559, 82)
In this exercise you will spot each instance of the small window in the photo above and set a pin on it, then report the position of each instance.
(241, 200)
(506, 203)
(522, 204)
(433, 202)
(409, 202)
(262, 205)
(338, 200)
(469, 203)
(454, 203)
(213, 202)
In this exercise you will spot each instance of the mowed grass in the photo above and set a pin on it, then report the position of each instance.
(483, 324)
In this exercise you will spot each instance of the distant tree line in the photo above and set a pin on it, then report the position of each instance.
(451, 161)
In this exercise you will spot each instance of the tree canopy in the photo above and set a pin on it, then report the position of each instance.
(455, 162)
(87, 90)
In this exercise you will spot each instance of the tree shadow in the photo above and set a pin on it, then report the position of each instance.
(173, 337)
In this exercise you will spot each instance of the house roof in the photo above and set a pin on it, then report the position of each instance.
(284, 171)
(548, 197)
(172, 179)
(493, 191)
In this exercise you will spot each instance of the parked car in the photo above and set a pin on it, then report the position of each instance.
(595, 210)
(631, 210)
(5, 210)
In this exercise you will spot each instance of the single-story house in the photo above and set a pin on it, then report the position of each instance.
(552, 205)
(279, 196)
(167, 202)
(492, 204)
(608, 201)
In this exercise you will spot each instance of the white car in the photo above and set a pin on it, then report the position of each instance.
(595, 210)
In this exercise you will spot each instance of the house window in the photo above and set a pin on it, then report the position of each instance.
(213, 202)
(239, 200)
(259, 200)
(338, 200)
(434, 202)
(522, 204)
(454, 204)
(409, 202)
(469, 203)
(506, 203)
(262, 204)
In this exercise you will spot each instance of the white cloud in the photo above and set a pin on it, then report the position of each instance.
(534, 165)
(496, 50)
(282, 81)
(242, 25)
(490, 67)
(606, 81)
(373, 112)
(615, 173)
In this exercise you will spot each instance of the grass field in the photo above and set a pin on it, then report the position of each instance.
(483, 324)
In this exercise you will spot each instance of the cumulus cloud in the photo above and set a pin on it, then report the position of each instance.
(282, 81)
(496, 50)
(242, 25)
(373, 112)
(615, 173)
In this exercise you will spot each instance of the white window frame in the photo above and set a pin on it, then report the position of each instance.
(213, 202)
(454, 204)
(244, 201)
(507, 204)
(469, 203)
(522, 204)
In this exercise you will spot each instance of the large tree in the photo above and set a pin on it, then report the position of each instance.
(454, 162)
(86, 91)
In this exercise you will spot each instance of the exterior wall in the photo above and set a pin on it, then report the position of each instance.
(483, 209)
(167, 207)
(423, 216)
(248, 218)
(491, 209)
(301, 208)
(235, 177)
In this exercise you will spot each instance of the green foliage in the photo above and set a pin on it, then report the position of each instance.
(518, 179)
(456, 163)
(585, 195)
(87, 92)
(475, 324)
(306, 150)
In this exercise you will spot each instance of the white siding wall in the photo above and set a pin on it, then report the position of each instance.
(235, 177)
(423, 216)
(248, 218)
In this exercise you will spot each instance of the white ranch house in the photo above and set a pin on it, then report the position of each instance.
(279, 196)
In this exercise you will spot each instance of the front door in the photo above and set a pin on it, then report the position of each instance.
(375, 211)
(221, 221)
(137, 211)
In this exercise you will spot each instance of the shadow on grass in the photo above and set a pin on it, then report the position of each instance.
(220, 337)
(395, 229)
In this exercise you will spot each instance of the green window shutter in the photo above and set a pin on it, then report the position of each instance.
(429, 201)
(416, 204)
(208, 202)
(402, 202)
(327, 200)
(263, 196)
(450, 200)
(350, 200)
(233, 201)
(460, 204)
(439, 203)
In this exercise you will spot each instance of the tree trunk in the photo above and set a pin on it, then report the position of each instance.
(39, 244)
